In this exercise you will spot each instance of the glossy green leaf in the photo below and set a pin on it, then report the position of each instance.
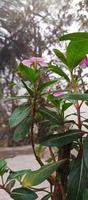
(85, 125)
(43, 86)
(78, 180)
(23, 194)
(85, 121)
(46, 197)
(85, 151)
(51, 115)
(33, 178)
(60, 55)
(3, 167)
(59, 71)
(76, 51)
(28, 89)
(66, 106)
(86, 103)
(19, 115)
(17, 175)
(77, 36)
(76, 96)
(55, 101)
(21, 85)
(59, 140)
(22, 130)
(31, 74)
(73, 181)
(85, 194)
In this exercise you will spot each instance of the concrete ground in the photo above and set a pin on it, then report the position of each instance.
(23, 162)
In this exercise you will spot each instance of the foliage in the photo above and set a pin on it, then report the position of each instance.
(64, 134)
(18, 41)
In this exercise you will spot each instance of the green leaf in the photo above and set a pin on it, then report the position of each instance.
(28, 89)
(76, 96)
(85, 151)
(59, 140)
(46, 197)
(23, 194)
(22, 130)
(54, 100)
(85, 125)
(78, 180)
(60, 55)
(21, 85)
(85, 194)
(36, 177)
(3, 167)
(66, 106)
(71, 97)
(39, 149)
(51, 115)
(76, 51)
(43, 86)
(77, 36)
(74, 114)
(86, 103)
(59, 71)
(17, 175)
(31, 74)
(19, 115)
(86, 120)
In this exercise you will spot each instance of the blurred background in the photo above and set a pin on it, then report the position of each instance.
(31, 28)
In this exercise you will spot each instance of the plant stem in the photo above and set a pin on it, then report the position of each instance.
(32, 132)
(50, 179)
(52, 154)
(2, 181)
(77, 106)
(78, 116)
(58, 191)
(60, 187)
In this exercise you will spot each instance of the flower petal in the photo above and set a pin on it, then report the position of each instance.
(58, 94)
(84, 62)
(39, 60)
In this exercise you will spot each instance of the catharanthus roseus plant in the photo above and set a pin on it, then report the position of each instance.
(64, 136)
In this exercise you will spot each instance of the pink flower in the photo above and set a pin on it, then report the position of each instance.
(84, 62)
(34, 60)
(58, 94)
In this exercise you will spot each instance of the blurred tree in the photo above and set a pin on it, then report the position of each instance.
(27, 27)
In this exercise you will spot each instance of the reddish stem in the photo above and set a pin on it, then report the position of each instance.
(32, 133)
(77, 106)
